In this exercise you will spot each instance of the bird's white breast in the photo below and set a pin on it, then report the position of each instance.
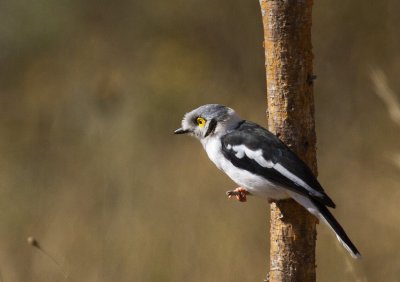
(255, 184)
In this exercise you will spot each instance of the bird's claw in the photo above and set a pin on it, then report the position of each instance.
(240, 194)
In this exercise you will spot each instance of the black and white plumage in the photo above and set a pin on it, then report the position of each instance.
(259, 162)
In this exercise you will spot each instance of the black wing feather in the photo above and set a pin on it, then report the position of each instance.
(256, 137)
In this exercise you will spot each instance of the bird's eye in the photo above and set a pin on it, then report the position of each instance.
(201, 121)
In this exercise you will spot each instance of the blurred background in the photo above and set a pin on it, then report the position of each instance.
(90, 92)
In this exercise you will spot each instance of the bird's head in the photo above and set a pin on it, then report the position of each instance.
(208, 120)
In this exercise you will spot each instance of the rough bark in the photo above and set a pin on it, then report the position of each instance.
(288, 63)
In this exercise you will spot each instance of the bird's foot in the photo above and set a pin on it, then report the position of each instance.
(240, 193)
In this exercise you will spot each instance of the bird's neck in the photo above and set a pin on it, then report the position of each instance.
(222, 129)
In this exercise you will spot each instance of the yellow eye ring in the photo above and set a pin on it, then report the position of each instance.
(201, 121)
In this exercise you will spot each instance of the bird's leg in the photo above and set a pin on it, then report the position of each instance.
(240, 193)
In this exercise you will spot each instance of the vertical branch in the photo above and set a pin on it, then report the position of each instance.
(288, 63)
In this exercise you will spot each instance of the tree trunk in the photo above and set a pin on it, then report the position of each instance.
(288, 63)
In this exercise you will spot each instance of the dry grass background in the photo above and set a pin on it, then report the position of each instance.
(90, 92)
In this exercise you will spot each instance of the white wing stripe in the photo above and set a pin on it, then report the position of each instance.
(282, 170)
(242, 150)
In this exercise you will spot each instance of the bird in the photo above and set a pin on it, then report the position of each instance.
(260, 163)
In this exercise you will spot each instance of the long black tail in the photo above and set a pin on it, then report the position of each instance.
(330, 220)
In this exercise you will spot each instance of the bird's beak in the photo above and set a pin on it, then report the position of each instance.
(181, 131)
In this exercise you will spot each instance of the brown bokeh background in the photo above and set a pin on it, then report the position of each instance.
(90, 92)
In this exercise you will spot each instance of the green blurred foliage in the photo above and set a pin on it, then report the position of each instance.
(90, 92)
